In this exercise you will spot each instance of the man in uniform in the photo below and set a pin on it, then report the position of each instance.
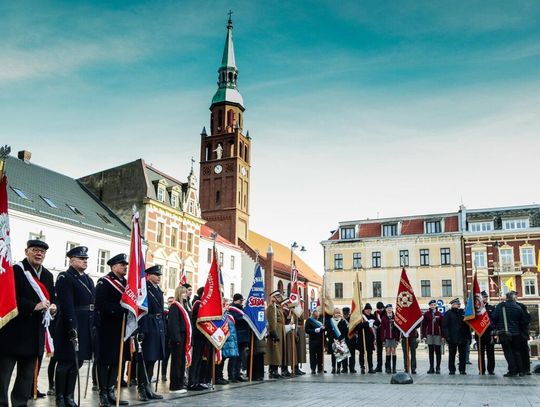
(75, 295)
(487, 347)
(109, 315)
(23, 338)
(276, 320)
(152, 334)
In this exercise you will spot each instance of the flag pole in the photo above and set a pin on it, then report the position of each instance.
(251, 358)
(480, 358)
(120, 357)
(323, 319)
(407, 359)
(36, 370)
(213, 367)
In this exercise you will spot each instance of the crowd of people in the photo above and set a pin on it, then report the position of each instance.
(75, 321)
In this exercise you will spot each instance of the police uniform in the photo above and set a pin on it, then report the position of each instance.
(108, 321)
(75, 295)
(23, 338)
(152, 332)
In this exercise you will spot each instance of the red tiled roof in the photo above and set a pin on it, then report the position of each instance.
(370, 230)
(451, 224)
(207, 231)
(412, 226)
(335, 235)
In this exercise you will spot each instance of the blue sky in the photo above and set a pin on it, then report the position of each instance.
(370, 108)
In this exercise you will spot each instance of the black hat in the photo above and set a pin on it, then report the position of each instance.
(368, 306)
(380, 305)
(237, 297)
(187, 285)
(79, 251)
(156, 270)
(346, 310)
(484, 294)
(37, 243)
(432, 302)
(389, 306)
(119, 258)
(455, 301)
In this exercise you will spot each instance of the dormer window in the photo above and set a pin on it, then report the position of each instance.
(174, 200)
(433, 226)
(161, 194)
(484, 226)
(390, 229)
(347, 232)
(513, 224)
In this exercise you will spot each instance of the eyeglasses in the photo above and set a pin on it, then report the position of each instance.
(36, 250)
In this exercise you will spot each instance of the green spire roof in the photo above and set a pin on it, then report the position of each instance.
(228, 51)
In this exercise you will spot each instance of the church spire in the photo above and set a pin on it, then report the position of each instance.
(228, 73)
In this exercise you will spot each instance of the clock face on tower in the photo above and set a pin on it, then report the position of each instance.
(243, 171)
(218, 168)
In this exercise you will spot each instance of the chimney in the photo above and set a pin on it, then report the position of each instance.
(24, 155)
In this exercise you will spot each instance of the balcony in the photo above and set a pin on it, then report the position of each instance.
(507, 269)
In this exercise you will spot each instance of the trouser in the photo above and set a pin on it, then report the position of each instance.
(142, 376)
(66, 379)
(379, 353)
(365, 354)
(315, 356)
(199, 343)
(452, 349)
(413, 344)
(467, 350)
(487, 350)
(258, 366)
(434, 352)
(220, 368)
(40, 360)
(22, 387)
(512, 354)
(235, 363)
(525, 357)
(107, 375)
(178, 366)
(50, 371)
(336, 366)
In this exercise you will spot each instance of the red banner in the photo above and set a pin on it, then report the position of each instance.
(8, 300)
(475, 311)
(408, 314)
(211, 308)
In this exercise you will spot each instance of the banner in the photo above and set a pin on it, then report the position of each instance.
(476, 315)
(294, 295)
(8, 300)
(408, 314)
(255, 307)
(134, 298)
(510, 284)
(327, 303)
(356, 307)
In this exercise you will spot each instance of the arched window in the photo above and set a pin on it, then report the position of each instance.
(230, 118)
(212, 123)
(231, 148)
(289, 289)
(241, 150)
(207, 152)
(240, 119)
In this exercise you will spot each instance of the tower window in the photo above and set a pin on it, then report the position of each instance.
(230, 76)
(220, 120)
(230, 118)
(241, 150)
(246, 153)
(218, 197)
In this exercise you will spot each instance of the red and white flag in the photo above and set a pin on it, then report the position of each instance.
(476, 315)
(408, 313)
(183, 277)
(294, 296)
(8, 300)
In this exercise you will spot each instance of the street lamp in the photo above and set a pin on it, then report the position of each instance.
(497, 245)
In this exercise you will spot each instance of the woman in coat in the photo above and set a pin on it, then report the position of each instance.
(179, 333)
(390, 335)
(431, 330)
(337, 329)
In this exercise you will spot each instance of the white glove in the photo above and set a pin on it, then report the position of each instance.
(371, 322)
(293, 326)
(317, 330)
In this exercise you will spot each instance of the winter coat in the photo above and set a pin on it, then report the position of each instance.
(230, 348)
(315, 338)
(363, 330)
(515, 317)
(388, 328)
(343, 330)
(242, 327)
(432, 324)
(276, 335)
(152, 325)
(455, 330)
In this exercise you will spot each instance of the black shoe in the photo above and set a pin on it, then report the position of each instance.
(60, 402)
(51, 392)
(286, 373)
(70, 402)
(413, 371)
(258, 379)
(103, 400)
(333, 371)
(491, 373)
(438, 371)
(151, 395)
(274, 375)
(371, 371)
(240, 379)
(313, 371)
(338, 371)
(141, 394)
(112, 397)
(352, 371)
(123, 383)
(298, 372)
(521, 374)
(451, 373)
(378, 369)
(95, 388)
(344, 371)
(222, 382)
(528, 373)
(362, 371)
(469, 363)
(510, 374)
(462, 372)
(430, 371)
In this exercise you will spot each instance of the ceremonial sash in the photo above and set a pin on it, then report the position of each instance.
(370, 328)
(335, 328)
(317, 323)
(41, 291)
(187, 322)
(117, 285)
(238, 310)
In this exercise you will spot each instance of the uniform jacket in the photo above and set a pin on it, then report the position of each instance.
(389, 329)
(315, 339)
(432, 323)
(108, 319)
(152, 325)
(515, 317)
(276, 335)
(455, 330)
(24, 335)
(75, 294)
(342, 327)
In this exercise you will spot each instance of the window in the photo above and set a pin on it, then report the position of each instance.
(69, 246)
(231, 291)
(480, 226)
(347, 233)
(338, 261)
(161, 194)
(511, 224)
(357, 260)
(103, 258)
(20, 193)
(174, 199)
(160, 227)
(174, 237)
(484, 285)
(404, 258)
(377, 289)
(232, 262)
(104, 218)
(433, 226)
(190, 242)
(390, 230)
(209, 256)
(74, 210)
(424, 257)
(191, 207)
(447, 288)
(376, 259)
(479, 260)
(529, 286)
(220, 259)
(425, 286)
(507, 257)
(527, 257)
(338, 290)
(172, 277)
(445, 256)
(49, 202)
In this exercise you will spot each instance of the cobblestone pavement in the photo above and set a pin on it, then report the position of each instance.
(352, 389)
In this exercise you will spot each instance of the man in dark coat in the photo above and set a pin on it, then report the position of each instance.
(23, 338)
(236, 309)
(365, 330)
(515, 319)
(151, 332)
(315, 330)
(109, 315)
(75, 294)
(200, 345)
(456, 332)
(487, 345)
(524, 341)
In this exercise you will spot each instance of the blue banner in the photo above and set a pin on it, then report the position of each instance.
(255, 308)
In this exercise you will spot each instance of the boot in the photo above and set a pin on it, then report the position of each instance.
(103, 398)
(141, 393)
(387, 364)
(60, 402)
(394, 360)
(150, 394)
(70, 388)
(112, 397)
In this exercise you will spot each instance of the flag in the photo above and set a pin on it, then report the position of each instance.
(134, 298)
(493, 284)
(538, 266)
(293, 296)
(476, 315)
(183, 277)
(8, 300)
(510, 284)
(408, 313)
(327, 303)
(356, 308)
(210, 319)
(255, 305)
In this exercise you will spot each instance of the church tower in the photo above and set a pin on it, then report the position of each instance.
(225, 155)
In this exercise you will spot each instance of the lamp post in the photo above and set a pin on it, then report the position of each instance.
(497, 245)
(294, 246)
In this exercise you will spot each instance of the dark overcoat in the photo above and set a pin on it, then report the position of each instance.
(152, 325)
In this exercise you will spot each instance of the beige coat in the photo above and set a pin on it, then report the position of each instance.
(276, 320)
